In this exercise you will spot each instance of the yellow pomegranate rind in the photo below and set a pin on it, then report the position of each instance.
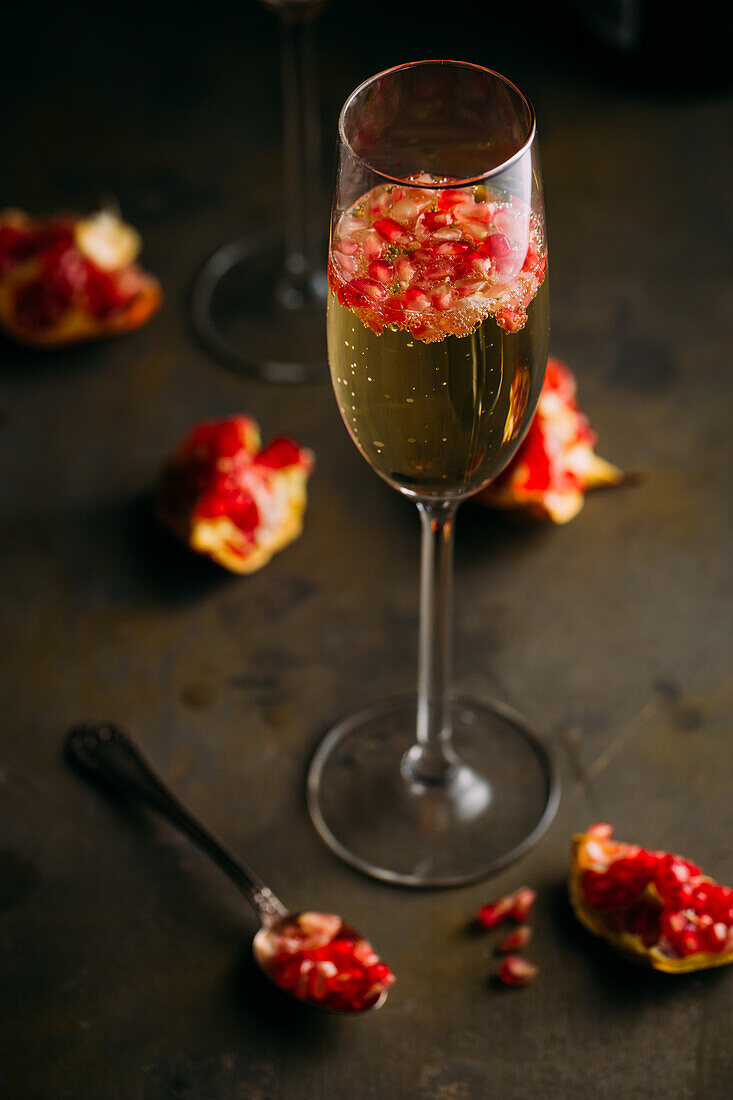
(625, 943)
(556, 464)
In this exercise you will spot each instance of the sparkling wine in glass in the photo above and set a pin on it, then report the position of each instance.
(258, 302)
(437, 343)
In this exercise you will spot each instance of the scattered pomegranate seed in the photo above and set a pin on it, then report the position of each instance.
(491, 915)
(515, 941)
(516, 971)
(524, 899)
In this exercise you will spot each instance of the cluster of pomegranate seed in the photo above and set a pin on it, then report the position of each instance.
(663, 899)
(317, 957)
(235, 497)
(57, 274)
(514, 970)
(72, 266)
(437, 261)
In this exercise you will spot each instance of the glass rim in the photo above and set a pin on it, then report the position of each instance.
(454, 182)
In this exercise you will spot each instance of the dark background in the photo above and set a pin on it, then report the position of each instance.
(124, 955)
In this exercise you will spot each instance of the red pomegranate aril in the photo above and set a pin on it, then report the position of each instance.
(522, 904)
(517, 971)
(450, 233)
(532, 257)
(443, 300)
(499, 246)
(406, 210)
(416, 299)
(511, 320)
(450, 198)
(367, 290)
(433, 220)
(392, 231)
(347, 264)
(379, 204)
(496, 911)
(372, 245)
(515, 941)
(382, 271)
(404, 270)
(438, 272)
(449, 248)
(464, 288)
(481, 265)
(39, 306)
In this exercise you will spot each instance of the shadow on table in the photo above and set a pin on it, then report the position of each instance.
(267, 1012)
(163, 566)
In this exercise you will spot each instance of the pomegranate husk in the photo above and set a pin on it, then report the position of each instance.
(556, 465)
(626, 943)
(217, 467)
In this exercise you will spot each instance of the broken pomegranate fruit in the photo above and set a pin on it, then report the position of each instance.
(435, 261)
(515, 970)
(317, 957)
(232, 500)
(656, 908)
(556, 464)
(66, 278)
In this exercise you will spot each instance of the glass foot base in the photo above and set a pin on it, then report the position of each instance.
(498, 801)
(253, 316)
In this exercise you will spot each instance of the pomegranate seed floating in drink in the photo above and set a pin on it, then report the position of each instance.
(316, 957)
(654, 907)
(437, 262)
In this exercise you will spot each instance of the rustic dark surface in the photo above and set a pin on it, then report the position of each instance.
(124, 953)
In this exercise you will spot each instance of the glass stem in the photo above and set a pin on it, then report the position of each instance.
(301, 138)
(432, 758)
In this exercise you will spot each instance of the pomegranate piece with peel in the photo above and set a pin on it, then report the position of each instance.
(656, 908)
(437, 261)
(317, 957)
(68, 278)
(556, 464)
(516, 971)
(231, 499)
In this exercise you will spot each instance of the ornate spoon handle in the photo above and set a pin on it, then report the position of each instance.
(107, 753)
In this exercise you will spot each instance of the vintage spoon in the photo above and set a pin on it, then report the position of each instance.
(107, 753)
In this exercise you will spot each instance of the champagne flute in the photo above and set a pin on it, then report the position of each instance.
(437, 343)
(258, 302)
